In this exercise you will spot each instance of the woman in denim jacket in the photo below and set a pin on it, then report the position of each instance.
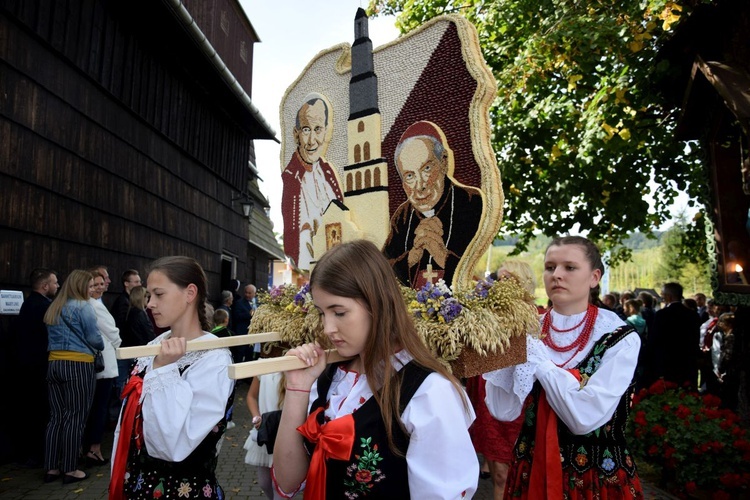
(71, 379)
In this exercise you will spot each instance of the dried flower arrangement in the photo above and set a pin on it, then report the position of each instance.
(484, 318)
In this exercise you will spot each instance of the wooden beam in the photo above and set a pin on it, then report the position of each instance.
(272, 365)
(199, 345)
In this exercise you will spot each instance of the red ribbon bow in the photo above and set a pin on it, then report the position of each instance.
(131, 391)
(334, 440)
(546, 469)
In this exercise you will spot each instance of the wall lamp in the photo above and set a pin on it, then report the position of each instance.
(246, 203)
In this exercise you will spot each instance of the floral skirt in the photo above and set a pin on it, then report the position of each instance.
(155, 486)
(589, 485)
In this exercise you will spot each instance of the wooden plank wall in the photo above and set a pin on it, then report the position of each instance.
(230, 33)
(107, 155)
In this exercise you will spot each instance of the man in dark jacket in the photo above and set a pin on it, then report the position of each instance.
(29, 348)
(672, 349)
(242, 312)
(130, 279)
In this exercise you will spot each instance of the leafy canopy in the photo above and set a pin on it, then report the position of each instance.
(582, 134)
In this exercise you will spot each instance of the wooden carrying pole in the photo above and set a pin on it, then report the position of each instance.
(199, 345)
(237, 370)
(272, 365)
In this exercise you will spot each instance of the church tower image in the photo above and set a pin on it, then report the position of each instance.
(365, 176)
(364, 183)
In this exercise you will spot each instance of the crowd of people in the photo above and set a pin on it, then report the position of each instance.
(389, 419)
(690, 341)
(63, 325)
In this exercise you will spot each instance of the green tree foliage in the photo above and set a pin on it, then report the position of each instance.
(671, 261)
(653, 262)
(678, 264)
(583, 135)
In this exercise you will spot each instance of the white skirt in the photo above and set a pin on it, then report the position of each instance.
(256, 455)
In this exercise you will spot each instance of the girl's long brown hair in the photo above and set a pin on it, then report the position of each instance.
(358, 270)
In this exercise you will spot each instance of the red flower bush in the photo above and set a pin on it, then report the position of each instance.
(690, 438)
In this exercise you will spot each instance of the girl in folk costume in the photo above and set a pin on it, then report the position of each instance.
(175, 403)
(390, 422)
(579, 379)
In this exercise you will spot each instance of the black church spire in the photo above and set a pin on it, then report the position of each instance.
(363, 86)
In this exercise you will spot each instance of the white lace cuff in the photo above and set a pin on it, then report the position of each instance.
(518, 379)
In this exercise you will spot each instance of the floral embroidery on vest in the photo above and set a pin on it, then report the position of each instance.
(602, 448)
(364, 473)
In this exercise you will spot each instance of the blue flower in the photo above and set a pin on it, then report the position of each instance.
(450, 309)
(434, 301)
(482, 288)
(303, 295)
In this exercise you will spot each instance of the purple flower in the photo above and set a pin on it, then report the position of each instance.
(482, 288)
(276, 291)
(450, 309)
(301, 297)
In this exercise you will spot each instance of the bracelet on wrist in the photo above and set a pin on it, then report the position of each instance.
(257, 419)
(296, 390)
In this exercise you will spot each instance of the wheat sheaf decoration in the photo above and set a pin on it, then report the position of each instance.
(486, 322)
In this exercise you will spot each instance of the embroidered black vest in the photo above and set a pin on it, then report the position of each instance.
(605, 447)
(372, 471)
(197, 472)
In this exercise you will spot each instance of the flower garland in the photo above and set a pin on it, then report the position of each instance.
(484, 316)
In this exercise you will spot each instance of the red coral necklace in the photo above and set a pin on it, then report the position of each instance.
(588, 321)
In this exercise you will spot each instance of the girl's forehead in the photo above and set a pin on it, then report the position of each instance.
(156, 275)
(157, 279)
(565, 253)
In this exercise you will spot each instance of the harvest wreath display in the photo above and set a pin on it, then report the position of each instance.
(463, 329)
(393, 144)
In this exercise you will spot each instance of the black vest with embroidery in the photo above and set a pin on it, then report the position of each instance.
(151, 477)
(372, 471)
(603, 448)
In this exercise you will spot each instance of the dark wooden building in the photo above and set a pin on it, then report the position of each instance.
(714, 50)
(126, 134)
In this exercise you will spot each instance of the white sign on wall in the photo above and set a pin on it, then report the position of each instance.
(10, 301)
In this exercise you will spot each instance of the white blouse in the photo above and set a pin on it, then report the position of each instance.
(582, 409)
(111, 336)
(179, 410)
(441, 460)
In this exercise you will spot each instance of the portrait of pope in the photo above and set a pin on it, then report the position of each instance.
(309, 182)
